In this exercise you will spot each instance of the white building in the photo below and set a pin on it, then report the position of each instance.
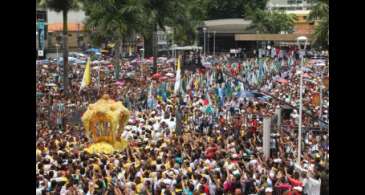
(288, 5)
(73, 16)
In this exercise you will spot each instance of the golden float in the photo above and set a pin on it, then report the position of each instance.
(104, 122)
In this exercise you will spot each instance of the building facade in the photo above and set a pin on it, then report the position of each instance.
(289, 5)
(77, 37)
(225, 34)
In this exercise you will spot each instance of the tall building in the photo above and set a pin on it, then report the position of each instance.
(300, 8)
(289, 5)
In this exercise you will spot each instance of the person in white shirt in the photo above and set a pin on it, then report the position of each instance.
(314, 185)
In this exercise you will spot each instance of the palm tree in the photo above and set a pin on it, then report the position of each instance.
(115, 19)
(187, 20)
(320, 13)
(41, 4)
(271, 21)
(64, 6)
(159, 13)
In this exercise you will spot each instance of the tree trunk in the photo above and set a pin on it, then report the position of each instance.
(155, 49)
(117, 53)
(65, 53)
(148, 44)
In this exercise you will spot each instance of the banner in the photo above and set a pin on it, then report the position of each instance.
(86, 80)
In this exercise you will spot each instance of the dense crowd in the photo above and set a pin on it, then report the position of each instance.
(205, 139)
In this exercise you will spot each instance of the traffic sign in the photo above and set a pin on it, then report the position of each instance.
(40, 53)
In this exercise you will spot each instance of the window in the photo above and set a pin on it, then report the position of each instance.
(294, 1)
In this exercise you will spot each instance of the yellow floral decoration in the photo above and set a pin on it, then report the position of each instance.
(104, 121)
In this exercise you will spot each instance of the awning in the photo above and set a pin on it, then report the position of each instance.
(268, 37)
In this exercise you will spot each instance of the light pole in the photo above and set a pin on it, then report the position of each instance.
(214, 43)
(302, 43)
(57, 45)
(204, 29)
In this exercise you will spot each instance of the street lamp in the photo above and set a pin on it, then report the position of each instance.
(204, 29)
(57, 45)
(302, 44)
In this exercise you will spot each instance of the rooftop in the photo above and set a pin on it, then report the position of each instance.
(72, 27)
(233, 25)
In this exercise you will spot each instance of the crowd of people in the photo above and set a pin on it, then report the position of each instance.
(206, 138)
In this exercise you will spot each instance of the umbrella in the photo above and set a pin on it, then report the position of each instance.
(306, 69)
(162, 58)
(119, 83)
(320, 64)
(284, 81)
(156, 76)
(130, 74)
(247, 94)
(171, 60)
(110, 66)
(306, 75)
(93, 50)
(170, 74)
(95, 62)
(163, 78)
(50, 85)
(148, 61)
(104, 62)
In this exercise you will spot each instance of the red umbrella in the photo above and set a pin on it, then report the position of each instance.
(110, 65)
(156, 76)
(284, 81)
(205, 102)
(163, 78)
(119, 83)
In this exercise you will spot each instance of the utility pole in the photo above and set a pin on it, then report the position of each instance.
(302, 41)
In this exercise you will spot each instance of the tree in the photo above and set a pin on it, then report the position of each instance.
(113, 20)
(271, 21)
(186, 22)
(217, 9)
(41, 4)
(64, 6)
(158, 14)
(320, 13)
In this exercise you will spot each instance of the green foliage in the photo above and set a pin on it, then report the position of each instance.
(112, 19)
(62, 5)
(320, 13)
(271, 21)
(187, 20)
(41, 3)
(217, 9)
